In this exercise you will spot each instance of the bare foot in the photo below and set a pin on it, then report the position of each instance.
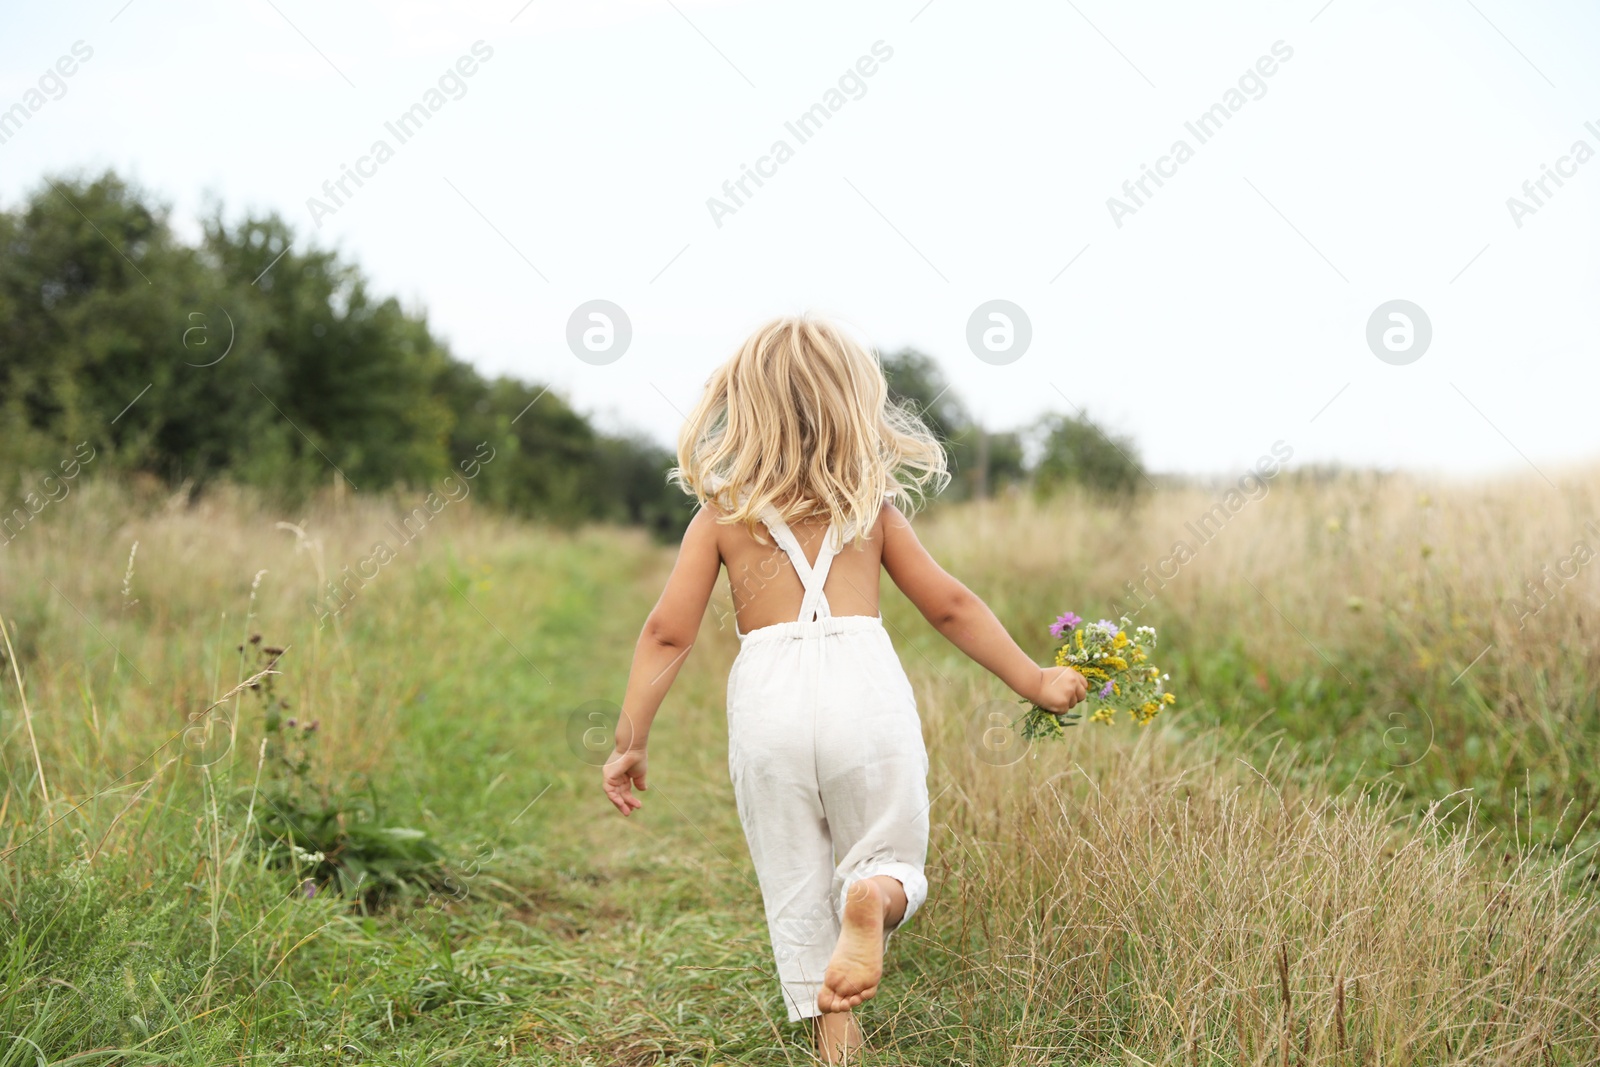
(857, 963)
(838, 1035)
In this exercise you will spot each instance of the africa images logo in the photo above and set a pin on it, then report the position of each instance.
(1566, 167)
(51, 82)
(805, 126)
(405, 126)
(1204, 127)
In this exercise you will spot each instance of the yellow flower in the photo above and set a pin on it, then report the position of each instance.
(1168, 698)
(1118, 662)
(1094, 672)
(1121, 641)
(1080, 640)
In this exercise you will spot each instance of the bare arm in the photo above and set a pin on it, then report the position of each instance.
(664, 642)
(966, 621)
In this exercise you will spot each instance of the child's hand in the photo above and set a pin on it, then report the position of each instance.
(1060, 688)
(622, 772)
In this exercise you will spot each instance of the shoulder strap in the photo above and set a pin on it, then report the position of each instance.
(812, 578)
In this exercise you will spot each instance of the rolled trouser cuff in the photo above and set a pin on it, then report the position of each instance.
(800, 998)
(908, 875)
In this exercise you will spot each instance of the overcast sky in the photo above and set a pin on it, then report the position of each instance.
(1227, 310)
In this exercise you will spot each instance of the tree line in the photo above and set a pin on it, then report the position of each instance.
(239, 358)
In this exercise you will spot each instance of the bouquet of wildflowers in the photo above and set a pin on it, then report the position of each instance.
(1118, 668)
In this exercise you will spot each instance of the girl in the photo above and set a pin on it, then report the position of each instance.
(796, 433)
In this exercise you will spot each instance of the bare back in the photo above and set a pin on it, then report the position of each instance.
(765, 588)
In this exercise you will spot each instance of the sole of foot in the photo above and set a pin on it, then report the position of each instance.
(857, 964)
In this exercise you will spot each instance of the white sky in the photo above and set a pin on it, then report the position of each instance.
(1206, 326)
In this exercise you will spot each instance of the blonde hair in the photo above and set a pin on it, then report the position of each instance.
(800, 419)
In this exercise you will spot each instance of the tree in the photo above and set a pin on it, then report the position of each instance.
(246, 359)
(97, 300)
(348, 374)
(980, 461)
(916, 382)
(1078, 451)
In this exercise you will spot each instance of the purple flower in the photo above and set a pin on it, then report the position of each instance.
(309, 888)
(1063, 624)
(1105, 691)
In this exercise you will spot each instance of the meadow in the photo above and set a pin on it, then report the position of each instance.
(1364, 835)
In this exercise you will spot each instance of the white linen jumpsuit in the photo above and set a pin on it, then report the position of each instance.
(829, 770)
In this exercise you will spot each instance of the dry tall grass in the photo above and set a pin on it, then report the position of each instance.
(1162, 902)
(1369, 567)
(1439, 635)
